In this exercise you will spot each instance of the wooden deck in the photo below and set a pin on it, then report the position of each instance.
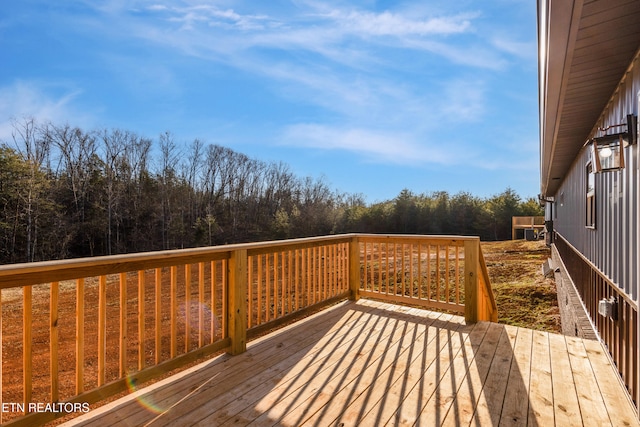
(372, 364)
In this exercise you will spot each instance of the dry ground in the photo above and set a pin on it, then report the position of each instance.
(523, 296)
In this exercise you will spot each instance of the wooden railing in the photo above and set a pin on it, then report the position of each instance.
(77, 331)
(620, 334)
(439, 272)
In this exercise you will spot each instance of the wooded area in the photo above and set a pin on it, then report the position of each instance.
(66, 192)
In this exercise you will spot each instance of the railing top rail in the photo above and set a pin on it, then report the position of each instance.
(439, 239)
(13, 275)
(612, 285)
(25, 274)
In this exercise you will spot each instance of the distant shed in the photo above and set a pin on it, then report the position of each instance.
(526, 223)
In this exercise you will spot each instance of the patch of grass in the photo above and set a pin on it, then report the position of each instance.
(523, 296)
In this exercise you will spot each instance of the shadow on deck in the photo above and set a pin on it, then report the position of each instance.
(372, 363)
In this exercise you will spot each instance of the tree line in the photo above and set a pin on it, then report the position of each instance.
(66, 192)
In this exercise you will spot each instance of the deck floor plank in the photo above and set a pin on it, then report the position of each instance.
(383, 389)
(371, 363)
(589, 397)
(515, 408)
(382, 358)
(316, 390)
(415, 396)
(541, 388)
(565, 399)
(436, 409)
(489, 408)
(289, 366)
(620, 412)
(467, 396)
(293, 366)
(356, 399)
(389, 398)
(267, 352)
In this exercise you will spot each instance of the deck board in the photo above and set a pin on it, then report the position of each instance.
(375, 363)
(541, 386)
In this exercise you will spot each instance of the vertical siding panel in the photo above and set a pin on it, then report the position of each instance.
(616, 236)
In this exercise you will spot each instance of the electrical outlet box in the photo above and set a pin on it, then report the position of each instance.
(608, 307)
(605, 308)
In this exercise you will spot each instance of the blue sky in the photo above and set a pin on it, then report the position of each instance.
(374, 96)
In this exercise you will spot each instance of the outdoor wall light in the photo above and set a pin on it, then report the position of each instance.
(608, 151)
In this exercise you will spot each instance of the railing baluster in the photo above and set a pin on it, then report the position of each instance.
(276, 298)
(331, 273)
(102, 328)
(313, 268)
(27, 362)
(419, 270)
(122, 351)
(438, 275)
(394, 269)
(268, 287)
(79, 336)
(53, 341)
(260, 278)
(187, 308)
(225, 303)
(344, 267)
(283, 285)
(325, 262)
(174, 311)
(214, 309)
(457, 274)
(201, 304)
(403, 269)
(141, 305)
(411, 293)
(158, 315)
(308, 270)
(429, 294)
(250, 291)
(290, 271)
(387, 265)
(297, 256)
(366, 276)
(447, 285)
(380, 258)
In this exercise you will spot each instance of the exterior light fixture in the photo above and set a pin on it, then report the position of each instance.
(609, 153)
(608, 150)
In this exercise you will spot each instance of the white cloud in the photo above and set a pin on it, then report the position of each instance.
(366, 70)
(464, 100)
(376, 145)
(525, 50)
(393, 24)
(30, 99)
(157, 7)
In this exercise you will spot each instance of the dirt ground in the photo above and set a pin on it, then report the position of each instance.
(523, 296)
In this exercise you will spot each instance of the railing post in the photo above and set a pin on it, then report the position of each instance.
(237, 301)
(354, 268)
(471, 279)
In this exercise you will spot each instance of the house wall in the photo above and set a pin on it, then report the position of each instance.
(612, 246)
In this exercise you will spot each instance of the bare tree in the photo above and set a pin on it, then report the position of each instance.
(77, 151)
(34, 149)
